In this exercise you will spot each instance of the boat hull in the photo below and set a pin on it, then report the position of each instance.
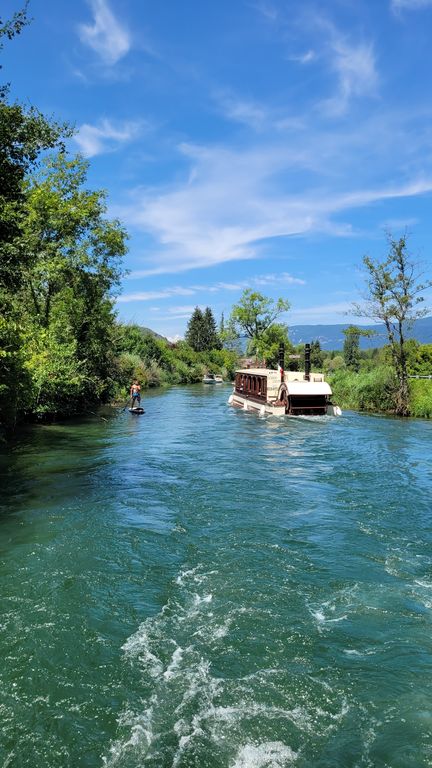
(272, 409)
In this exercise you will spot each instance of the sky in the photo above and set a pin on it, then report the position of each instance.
(264, 144)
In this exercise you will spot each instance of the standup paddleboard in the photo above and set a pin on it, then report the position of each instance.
(138, 411)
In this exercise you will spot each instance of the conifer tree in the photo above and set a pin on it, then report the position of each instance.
(195, 330)
(211, 338)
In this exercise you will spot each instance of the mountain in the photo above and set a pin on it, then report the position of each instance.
(332, 337)
(148, 332)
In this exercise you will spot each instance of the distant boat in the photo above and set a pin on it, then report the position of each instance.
(212, 378)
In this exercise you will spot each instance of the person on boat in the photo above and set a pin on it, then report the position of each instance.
(135, 393)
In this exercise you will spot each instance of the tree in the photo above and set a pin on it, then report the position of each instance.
(211, 337)
(195, 330)
(254, 314)
(24, 134)
(394, 295)
(267, 348)
(74, 257)
(316, 354)
(201, 333)
(351, 347)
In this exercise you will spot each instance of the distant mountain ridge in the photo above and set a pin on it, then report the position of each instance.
(332, 337)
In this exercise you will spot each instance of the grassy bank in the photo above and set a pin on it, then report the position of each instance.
(373, 391)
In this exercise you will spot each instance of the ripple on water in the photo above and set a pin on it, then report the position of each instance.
(205, 589)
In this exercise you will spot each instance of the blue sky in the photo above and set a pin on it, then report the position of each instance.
(244, 143)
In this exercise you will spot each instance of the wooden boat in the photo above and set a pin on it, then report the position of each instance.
(283, 393)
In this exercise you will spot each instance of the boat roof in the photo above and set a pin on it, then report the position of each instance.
(308, 388)
(258, 371)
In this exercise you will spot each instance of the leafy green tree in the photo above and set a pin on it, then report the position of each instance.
(395, 292)
(24, 134)
(267, 347)
(74, 266)
(419, 358)
(254, 314)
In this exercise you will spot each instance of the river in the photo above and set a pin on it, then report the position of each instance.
(199, 587)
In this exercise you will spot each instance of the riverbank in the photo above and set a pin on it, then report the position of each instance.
(373, 392)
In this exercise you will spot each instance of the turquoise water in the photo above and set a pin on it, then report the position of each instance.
(203, 588)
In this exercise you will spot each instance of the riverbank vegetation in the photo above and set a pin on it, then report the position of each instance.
(157, 362)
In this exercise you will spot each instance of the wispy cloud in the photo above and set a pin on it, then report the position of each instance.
(355, 68)
(280, 279)
(234, 200)
(106, 35)
(165, 293)
(266, 9)
(241, 111)
(106, 136)
(303, 58)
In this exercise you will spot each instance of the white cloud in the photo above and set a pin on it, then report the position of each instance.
(355, 68)
(106, 36)
(266, 9)
(303, 58)
(280, 279)
(105, 137)
(166, 293)
(233, 200)
(240, 111)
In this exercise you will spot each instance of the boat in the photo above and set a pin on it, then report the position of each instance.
(212, 378)
(283, 393)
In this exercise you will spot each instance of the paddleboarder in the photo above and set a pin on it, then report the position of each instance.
(135, 393)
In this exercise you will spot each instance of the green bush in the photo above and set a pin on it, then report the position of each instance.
(421, 398)
(366, 391)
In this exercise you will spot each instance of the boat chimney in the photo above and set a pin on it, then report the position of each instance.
(281, 366)
(307, 361)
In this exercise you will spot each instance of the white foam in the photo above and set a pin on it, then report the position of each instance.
(269, 754)
(174, 663)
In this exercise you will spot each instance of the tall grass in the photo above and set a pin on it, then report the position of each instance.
(374, 391)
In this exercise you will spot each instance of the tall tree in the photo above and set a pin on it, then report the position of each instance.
(201, 332)
(75, 257)
(195, 331)
(211, 337)
(316, 354)
(395, 293)
(254, 314)
(24, 134)
(351, 346)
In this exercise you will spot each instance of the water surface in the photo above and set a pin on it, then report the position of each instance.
(203, 588)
